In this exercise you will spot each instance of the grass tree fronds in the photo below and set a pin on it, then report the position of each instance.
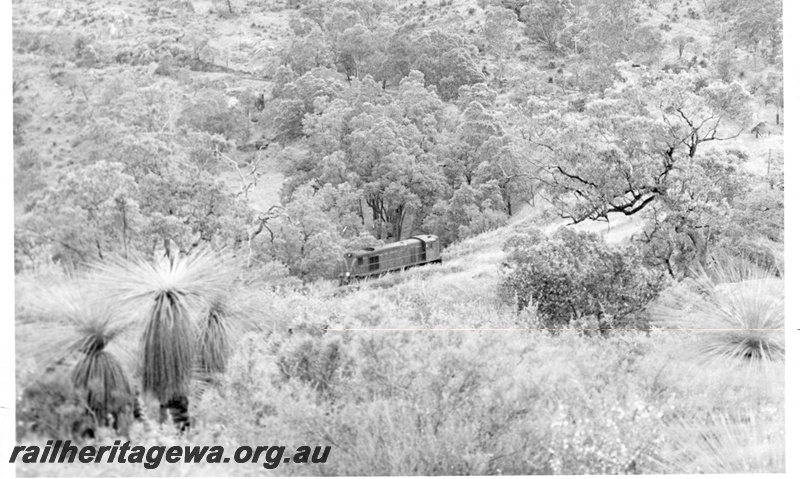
(61, 315)
(739, 310)
(174, 291)
(203, 273)
(242, 309)
(756, 326)
(724, 269)
(749, 315)
(65, 301)
(201, 383)
(226, 318)
(97, 371)
(245, 310)
(214, 342)
(168, 347)
(97, 330)
(67, 319)
(74, 328)
(45, 346)
(106, 383)
(730, 443)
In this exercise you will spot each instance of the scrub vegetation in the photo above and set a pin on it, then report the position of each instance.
(606, 177)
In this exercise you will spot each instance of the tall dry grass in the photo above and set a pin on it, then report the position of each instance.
(425, 374)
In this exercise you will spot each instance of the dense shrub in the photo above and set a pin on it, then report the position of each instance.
(319, 362)
(27, 173)
(411, 402)
(51, 407)
(570, 276)
(216, 115)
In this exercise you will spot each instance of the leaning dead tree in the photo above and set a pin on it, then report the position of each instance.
(261, 225)
(248, 174)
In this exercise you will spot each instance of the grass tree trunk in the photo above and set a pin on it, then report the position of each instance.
(169, 346)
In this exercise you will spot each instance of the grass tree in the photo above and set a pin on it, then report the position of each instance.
(179, 338)
(748, 441)
(77, 328)
(214, 339)
(226, 316)
(737, 308)
(98, 372)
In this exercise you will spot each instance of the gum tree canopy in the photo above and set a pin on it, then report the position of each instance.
(624, 152)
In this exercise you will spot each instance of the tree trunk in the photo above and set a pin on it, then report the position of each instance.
(124, 230)
(700, 246)
(395, 219)
(167, 249)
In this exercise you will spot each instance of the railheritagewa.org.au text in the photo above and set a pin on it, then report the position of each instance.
(64, 452)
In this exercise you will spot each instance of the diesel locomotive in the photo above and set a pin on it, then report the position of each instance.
(415, 251)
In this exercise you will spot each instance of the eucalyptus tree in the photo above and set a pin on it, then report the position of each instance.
(383, 144)
(447, 61)
(500, 32)
(91, 212)
(621, 153)
(641, 151)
